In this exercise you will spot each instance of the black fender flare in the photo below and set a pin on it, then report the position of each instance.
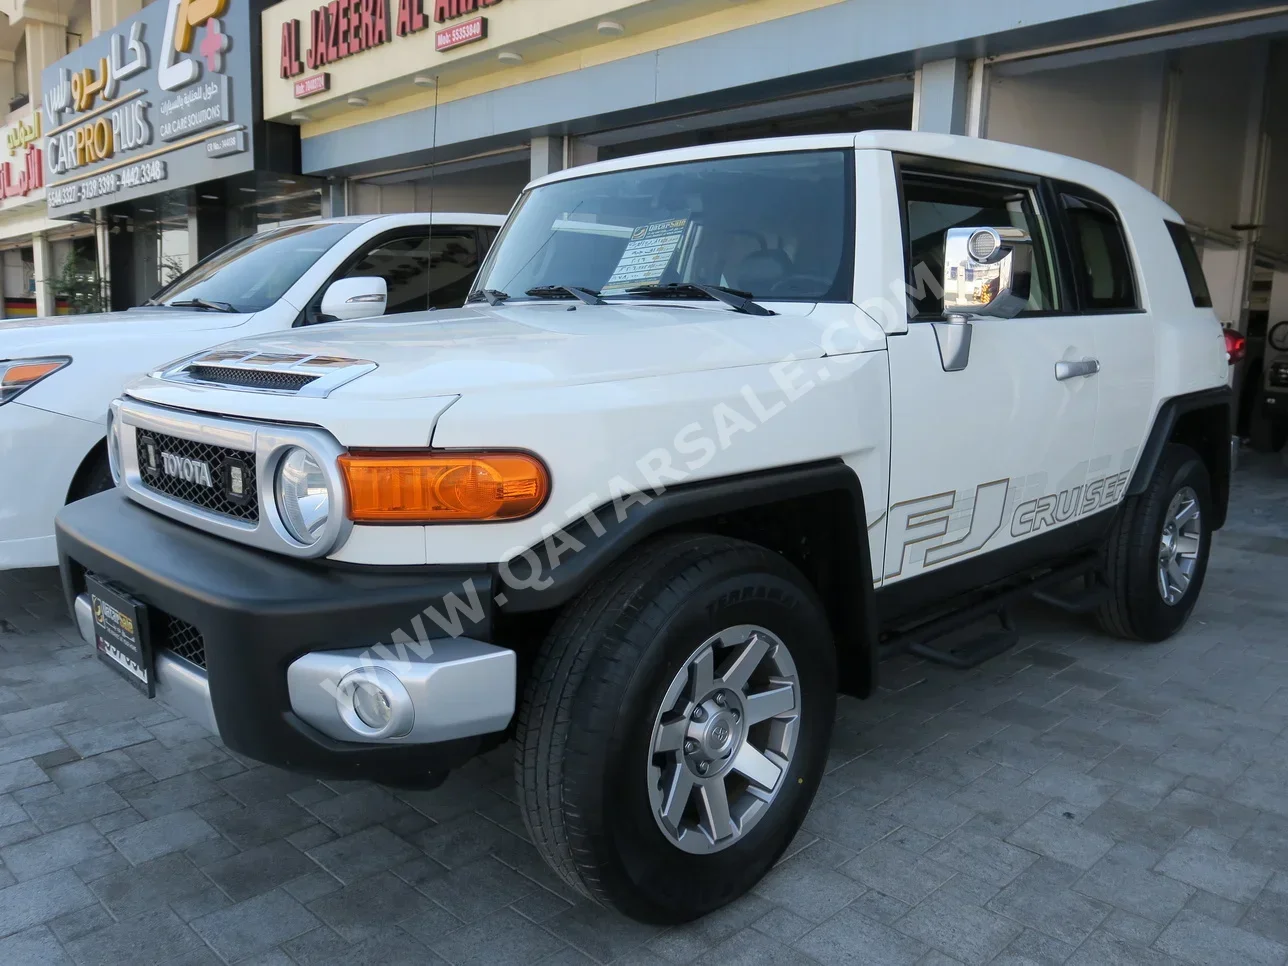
(586, 546)
(1220, 402)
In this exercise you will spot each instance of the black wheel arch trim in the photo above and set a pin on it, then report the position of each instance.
(596, 546)
(1161, 433)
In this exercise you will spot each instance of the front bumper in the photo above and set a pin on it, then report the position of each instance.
(253, 645)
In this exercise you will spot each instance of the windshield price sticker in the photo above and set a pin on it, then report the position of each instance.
(647, 255)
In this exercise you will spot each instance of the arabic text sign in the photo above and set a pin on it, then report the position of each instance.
(647, 255)
(130, 112)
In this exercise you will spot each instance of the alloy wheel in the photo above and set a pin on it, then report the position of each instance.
(724, 739)
(1178, 547)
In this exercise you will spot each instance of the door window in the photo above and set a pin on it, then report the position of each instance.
(935, 203)
(1100, 255)
(454, 261)
(421, 271)
(403, 262)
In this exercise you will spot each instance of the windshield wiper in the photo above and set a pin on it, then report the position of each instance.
(489, 295)
(209, 304)
(738, 301)
(589, 296)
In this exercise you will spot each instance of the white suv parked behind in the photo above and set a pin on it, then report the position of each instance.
(719, 428)
(58, 374)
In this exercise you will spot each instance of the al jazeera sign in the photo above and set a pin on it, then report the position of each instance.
(161, 101)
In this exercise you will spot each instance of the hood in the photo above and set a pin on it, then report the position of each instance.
(61, 334)
(540, 344)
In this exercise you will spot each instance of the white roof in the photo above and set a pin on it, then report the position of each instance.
(423, 218)
(981, 151)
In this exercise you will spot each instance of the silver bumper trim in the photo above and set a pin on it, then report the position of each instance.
(182, 687)
(459, 687)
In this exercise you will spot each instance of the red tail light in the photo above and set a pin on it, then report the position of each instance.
(1236, 345)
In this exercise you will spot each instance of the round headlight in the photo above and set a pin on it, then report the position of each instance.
(303, 496)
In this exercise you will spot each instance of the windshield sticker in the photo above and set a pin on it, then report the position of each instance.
(647, 255)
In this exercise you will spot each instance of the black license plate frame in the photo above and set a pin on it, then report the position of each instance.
(121, 634)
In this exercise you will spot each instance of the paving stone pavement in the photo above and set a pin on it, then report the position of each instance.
(1079, 800)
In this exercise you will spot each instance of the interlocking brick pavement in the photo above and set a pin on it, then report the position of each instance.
(1079, 800)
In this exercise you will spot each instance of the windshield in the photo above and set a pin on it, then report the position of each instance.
(253, 272)
(774, 226)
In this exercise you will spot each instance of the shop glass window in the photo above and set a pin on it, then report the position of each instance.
(778, 227)
(1100, 255)
(420, 271)
(933, 204)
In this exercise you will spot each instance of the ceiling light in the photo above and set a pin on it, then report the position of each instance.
(286, 181)
(510, 57)
(299, 116)
(610, 28)
(424, 80)
(210, 197)
(249, 191)
(356, 100)
(150, 211)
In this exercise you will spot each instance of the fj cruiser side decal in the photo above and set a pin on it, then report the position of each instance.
(915, 522)
(1057, 508)
(935, 529)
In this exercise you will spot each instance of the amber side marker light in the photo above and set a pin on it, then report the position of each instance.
(443, 487)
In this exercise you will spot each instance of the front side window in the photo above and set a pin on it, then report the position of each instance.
(1100, 255)
(254, 272)
(1191, 265)
(422, 270)
(773, 226)
(935, 203)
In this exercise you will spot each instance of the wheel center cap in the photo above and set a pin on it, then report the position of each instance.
(718, 735)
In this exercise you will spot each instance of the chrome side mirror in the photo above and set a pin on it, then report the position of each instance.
(988, 273)
(347, 299)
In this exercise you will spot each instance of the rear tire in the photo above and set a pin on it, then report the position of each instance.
(1180, 497)
(602, 733)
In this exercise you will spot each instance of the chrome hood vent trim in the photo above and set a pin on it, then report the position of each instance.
(279, 373)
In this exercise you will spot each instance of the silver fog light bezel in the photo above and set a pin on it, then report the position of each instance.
(403, 712)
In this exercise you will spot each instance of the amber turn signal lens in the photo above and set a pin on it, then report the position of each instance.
(21, 375)
(443, 487)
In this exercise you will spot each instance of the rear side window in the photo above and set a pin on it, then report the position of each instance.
(1100, 255)
(1190, 264)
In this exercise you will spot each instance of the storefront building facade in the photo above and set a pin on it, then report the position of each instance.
(152, 134)
(463, 101)
(28, 235)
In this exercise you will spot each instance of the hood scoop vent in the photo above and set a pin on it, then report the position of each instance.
(272, 372)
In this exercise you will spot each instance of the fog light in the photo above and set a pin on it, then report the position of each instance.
(374, 704)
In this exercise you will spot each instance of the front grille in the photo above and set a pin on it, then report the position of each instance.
(251, 378)
(219, 460)
(182, 639)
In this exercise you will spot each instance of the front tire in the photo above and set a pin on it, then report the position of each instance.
(1157, 552)
(675, 727)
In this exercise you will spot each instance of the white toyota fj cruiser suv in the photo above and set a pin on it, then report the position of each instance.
(718, 429)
